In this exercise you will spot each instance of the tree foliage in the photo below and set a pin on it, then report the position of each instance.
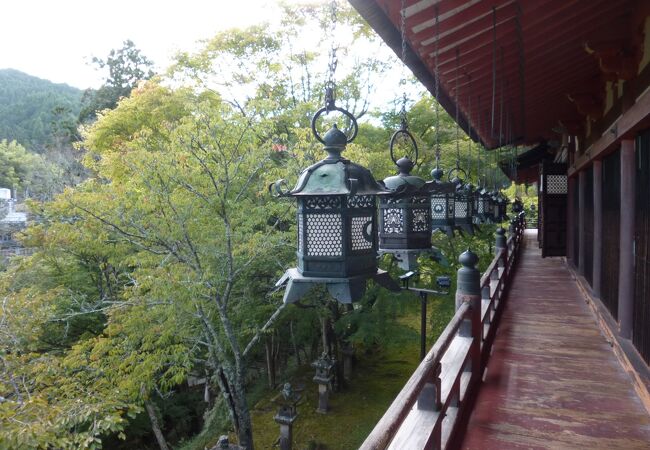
(126, 67)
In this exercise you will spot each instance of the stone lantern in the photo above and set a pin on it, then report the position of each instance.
(286, 416)
(324, 366)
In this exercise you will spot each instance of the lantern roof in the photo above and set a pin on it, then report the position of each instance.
(404, 181)
(336, 175)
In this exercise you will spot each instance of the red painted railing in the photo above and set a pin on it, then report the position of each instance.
(427, 412)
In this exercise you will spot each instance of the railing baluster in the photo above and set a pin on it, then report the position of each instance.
(453, 367)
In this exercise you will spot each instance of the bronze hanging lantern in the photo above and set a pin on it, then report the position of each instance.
(337, 223)
(442, 203)
(479, 206)
(463, 203)
(502, 202)
(488, 206)
(404, 214)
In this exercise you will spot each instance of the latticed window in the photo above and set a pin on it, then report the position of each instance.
(556, 184)
(393, 220)
(361, 233)
(324, 235)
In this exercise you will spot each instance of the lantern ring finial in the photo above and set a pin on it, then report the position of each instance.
(456, 170)
(327, 109)
(408, 134)
(279, 189)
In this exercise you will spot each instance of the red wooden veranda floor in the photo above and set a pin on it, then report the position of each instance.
(553, 381)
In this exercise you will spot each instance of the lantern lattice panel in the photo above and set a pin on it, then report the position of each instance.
(393, 220)
(461, 209)
(361, 201)
(556, 184)
(360, 235)
(438, 206)
(421, 219)
(322, 202)
(324, 235)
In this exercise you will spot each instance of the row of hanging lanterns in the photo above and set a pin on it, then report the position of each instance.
(339, 234)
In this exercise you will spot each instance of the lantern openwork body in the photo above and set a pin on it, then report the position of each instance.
(442, 203)
(488, 200)
(336, 215)
(479, 206)
(502, 207)
(405, 216)
(337, 224)
(463, 206)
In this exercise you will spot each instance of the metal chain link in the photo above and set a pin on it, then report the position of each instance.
(478, 147)
(402, 113)
(457, 98)
(437, 90)
(469, 125)
(330, 84)
(403, 29)
(494, 65)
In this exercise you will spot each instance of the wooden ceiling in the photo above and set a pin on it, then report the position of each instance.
(545, 61)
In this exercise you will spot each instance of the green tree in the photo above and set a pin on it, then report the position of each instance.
(29, 174)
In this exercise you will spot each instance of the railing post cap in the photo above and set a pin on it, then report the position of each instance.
(468, 259)
(468, 279)
(501, 231)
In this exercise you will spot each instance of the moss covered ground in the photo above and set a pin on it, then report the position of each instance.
(379, 374)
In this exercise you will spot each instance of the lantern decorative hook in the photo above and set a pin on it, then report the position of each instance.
(329, 107)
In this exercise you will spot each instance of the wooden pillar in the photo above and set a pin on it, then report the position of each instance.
(582, 184)
(570, 221)
(598, 227)
(626, 242)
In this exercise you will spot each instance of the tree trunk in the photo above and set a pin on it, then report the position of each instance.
(238, 395)
(324, 321)
(155, 426)
(270, 361)
(295, 345)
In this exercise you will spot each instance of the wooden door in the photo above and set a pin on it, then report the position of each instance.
(554, 212)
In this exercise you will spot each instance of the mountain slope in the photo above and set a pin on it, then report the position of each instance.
(34, 111)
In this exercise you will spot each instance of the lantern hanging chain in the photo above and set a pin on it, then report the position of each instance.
(497, 156)
(469, 125)
(478, 146)
(437, 91)
(522, 80)
(457, 108)
(402, 113)
(330, 85)
(494, 65)
(501, 103)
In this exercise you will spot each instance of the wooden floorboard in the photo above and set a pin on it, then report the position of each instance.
(553, 381)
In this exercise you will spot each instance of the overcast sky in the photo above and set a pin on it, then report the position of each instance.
(55, 39)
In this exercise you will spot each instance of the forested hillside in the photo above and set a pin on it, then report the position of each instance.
(35, 112)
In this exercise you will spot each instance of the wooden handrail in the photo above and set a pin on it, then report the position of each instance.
(485, 279)
(388, 425)
(428, 372)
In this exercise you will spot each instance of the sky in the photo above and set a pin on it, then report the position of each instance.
(56, 39)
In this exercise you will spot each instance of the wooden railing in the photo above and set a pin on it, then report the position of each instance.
(429, 410)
